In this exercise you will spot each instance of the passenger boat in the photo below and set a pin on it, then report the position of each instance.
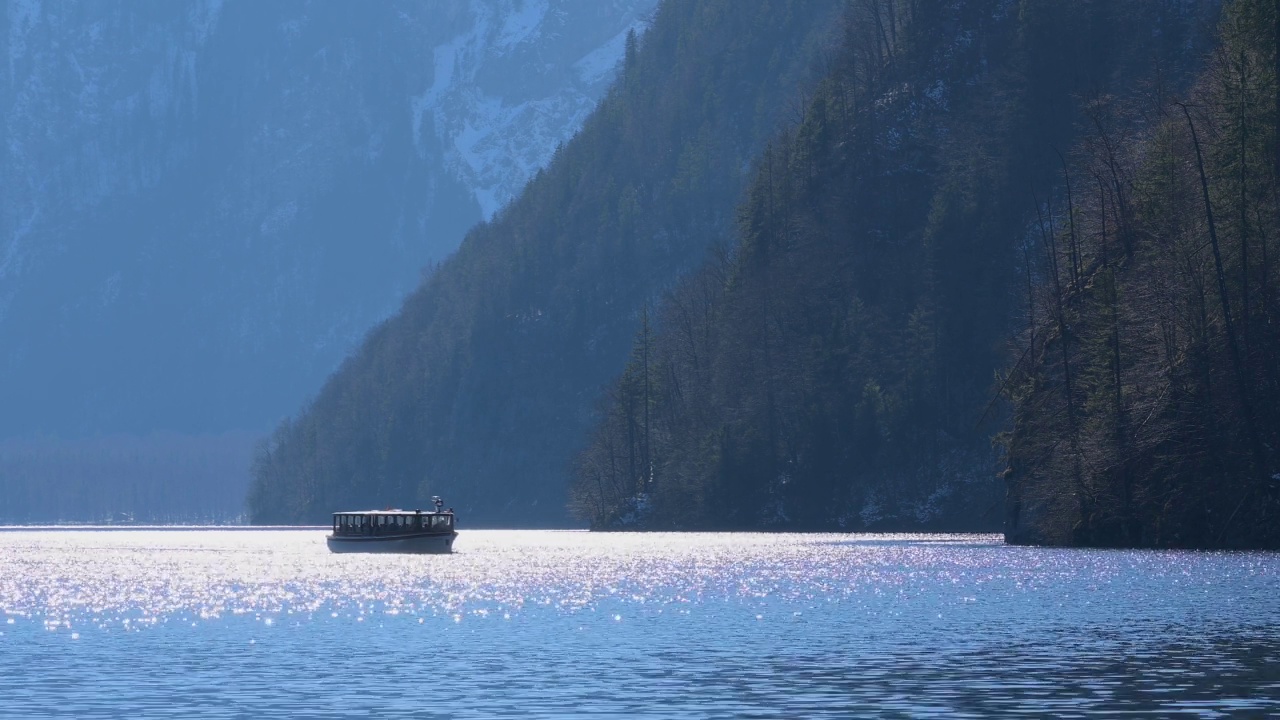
(394, 531)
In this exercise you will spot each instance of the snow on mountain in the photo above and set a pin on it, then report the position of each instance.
(497, 128)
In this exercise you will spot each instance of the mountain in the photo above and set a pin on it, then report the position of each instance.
(482, 387)
(833, 368)
(205, 206)
(208, 205)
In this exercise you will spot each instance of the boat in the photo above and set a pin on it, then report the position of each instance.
(393, 531)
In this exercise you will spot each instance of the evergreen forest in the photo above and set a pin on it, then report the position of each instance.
(862, 265)
(1146, 394)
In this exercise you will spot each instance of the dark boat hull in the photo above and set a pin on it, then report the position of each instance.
(423, 543)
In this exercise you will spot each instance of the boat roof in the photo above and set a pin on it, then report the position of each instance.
(393, 511)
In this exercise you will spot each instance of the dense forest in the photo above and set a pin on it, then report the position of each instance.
(833, 368)
(481, 389)
(1146, 392)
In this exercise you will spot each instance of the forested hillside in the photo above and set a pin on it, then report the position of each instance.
(481, 388)
(1147, 391)
(835, 366)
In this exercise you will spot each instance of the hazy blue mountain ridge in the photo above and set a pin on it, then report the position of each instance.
(204, 205)
(207, 204)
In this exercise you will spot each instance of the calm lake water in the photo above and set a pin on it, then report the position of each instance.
(266, 623)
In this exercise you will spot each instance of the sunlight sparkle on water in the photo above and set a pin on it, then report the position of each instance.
(719, 624)
(121, 578)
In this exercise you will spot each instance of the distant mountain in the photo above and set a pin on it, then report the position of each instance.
(483, 386)
(204, 206)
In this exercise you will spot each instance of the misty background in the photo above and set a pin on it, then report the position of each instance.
(204, 206)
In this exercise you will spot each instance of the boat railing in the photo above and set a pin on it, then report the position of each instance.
(383, 523)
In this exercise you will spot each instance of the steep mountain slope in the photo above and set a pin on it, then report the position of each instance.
(1147, 394)
(482, 387)
(205, 206)
(834, 371)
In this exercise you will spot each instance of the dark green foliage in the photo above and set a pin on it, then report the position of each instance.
(480, 389)
(833, 367)
(1172, 327)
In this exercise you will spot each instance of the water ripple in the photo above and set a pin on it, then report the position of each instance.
(218, 623)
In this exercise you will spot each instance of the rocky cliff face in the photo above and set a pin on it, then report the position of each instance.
(204, 206)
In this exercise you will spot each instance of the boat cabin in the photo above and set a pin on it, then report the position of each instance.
(385, 523)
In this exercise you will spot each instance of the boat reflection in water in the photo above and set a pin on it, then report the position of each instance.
(394, 531)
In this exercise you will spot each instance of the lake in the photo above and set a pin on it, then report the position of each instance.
(220, 623)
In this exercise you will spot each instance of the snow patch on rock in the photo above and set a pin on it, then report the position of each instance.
(599, 65)
(496, 116)
(520, 23)
(23, 16)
